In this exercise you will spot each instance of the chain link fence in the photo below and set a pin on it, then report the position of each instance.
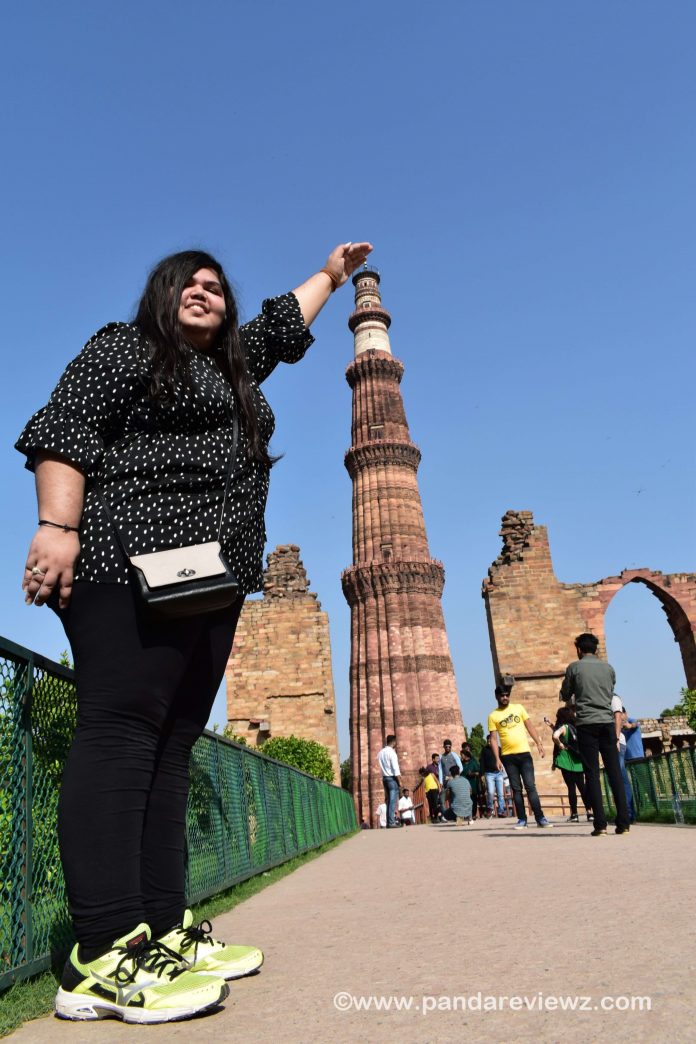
(246, 812)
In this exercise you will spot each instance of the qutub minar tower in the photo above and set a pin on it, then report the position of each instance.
(401, 675)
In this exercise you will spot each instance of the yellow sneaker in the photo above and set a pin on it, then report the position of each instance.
(195, 946)
(139, 980)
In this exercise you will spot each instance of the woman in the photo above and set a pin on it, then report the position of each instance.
(150, 412)
(567, 759)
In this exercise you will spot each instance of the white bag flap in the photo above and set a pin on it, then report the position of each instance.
(180, 564)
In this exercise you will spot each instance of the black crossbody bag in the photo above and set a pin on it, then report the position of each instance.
(182, 581)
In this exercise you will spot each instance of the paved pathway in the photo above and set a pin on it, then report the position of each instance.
(438, 914)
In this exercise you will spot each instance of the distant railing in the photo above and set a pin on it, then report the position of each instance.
(246, 812)
(664, 786)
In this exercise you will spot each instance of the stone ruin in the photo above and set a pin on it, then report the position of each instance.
(279, 675)
(533, 618)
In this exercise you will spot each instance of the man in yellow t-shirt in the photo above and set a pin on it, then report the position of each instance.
(510, 729)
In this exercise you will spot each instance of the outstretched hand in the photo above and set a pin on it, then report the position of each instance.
(345, 259)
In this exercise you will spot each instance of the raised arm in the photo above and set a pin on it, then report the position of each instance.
(341, 263)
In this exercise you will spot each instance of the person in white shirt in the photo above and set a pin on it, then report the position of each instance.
(391, 778)
(406, 813)
(381, 813)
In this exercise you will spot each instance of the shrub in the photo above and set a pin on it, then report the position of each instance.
(308, 755)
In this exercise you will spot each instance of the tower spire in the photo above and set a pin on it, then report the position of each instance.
(401, 675)
(369, 322)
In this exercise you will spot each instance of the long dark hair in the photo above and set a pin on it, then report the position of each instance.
(157, 318)
(565, 716)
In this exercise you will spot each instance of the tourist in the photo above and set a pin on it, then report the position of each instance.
(471, 770)
(155, 438)
(406, 813)
(391, 778)
(381, 813)
(567, 759)
(627, 730)
(589, 682)
(459, 795)
(431, 788)
(434, 765)
(495, 790)
(510, 728)
(633, 737)
(447, 760)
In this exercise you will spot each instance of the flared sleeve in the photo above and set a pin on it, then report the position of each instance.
(88, 406)
(278, 334)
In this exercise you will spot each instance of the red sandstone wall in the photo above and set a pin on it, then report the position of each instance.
(280, 671)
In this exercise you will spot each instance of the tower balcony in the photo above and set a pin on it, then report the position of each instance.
(368, 580)
(372, 313)
(377, 454)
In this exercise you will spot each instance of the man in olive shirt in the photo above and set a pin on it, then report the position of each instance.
(589, 682)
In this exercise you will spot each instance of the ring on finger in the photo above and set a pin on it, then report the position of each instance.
(35, 571)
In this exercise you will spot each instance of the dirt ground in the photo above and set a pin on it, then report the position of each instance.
(455, 933)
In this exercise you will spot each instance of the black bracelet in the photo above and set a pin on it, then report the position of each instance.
(57, 525)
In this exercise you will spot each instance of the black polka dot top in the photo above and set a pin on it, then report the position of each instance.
(162, 466)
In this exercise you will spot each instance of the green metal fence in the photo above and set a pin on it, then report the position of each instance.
(663, 784)
(246, 812)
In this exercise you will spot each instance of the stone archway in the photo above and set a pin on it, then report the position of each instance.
(533, 617)
(676, 593)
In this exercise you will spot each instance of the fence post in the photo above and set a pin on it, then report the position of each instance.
(224, 813)
(241, 774)
(651, 777)
(676, 800)
(22, 824)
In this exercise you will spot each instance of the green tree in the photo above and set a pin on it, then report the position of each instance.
(346, 776)
(477, 740)
(689, 702)
(304, 754)
(229, 733)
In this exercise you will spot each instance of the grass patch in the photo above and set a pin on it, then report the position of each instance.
(27, 1000)
(33, 998)
(666, 815)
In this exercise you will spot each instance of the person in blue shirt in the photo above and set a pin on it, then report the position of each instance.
(634, 737)
(626, 729)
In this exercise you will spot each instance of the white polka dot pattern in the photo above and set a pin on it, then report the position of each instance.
(162, 466)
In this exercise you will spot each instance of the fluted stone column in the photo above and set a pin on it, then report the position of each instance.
(401, 675)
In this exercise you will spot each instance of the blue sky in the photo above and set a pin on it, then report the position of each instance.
(526, 172)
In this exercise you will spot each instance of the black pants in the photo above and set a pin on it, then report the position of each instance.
(575, 780)
(144, 693)
(433, 804)
(594, 740)
(520, 769)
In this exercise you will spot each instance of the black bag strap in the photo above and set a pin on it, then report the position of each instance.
(230, 469)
